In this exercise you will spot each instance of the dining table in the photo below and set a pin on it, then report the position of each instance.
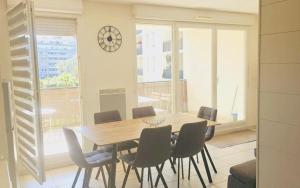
(114, 133)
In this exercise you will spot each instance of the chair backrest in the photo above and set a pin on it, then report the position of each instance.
(209, 114)
(154, 147)
(190, 140)
(144, 111)
(107, 117)
(75, 151)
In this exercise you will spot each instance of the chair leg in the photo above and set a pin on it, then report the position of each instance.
(86, 179)
(142, 177)
(98, 173)
(158, 177)
(137, 174)
(182, 168)
(159, 171)
(148, 174)
(210, 159)
(76, 177)
(107, 169)
(103, 177)
(178, 170)
(172, 165)
(206, 166)
(189, 175)
(123, 164)
(198, 172)
(126, 176)
(197, 159)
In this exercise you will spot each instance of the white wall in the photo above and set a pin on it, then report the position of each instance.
(100, 69)
(279, 109)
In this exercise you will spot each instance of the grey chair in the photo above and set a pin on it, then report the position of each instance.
(209, 114)
(148, 111)
(140, 112)
(107, 117)
(191, 140)
(153, 150)
(86, 161)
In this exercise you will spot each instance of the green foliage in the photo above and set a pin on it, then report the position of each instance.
(68, 75)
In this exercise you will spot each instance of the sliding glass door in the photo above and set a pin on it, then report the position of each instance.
(154, 66)
(231, 74)
(195, 69)
(207, 68)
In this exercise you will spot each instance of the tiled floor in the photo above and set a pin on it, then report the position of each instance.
(224, 158)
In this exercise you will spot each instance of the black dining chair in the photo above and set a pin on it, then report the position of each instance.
(86, 161)
(148, 111)
(153, 150)
(209, 114)
(107, 117)
(145, 111)
(190, 142)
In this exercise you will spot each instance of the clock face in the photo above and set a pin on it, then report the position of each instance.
(109, 38)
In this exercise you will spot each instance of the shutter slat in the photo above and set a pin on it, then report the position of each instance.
(19, 41)
(24, 143)
(28, 126)
(18, 18)
(23, 84)
(21, 73)
(24, 106)
(24, 114)
(18, 30)
(20, 62)
(20, 52)
(25, 135)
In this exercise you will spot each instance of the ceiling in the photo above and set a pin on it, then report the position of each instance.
(246, 6)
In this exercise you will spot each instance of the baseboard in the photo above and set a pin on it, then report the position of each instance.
(233, 127)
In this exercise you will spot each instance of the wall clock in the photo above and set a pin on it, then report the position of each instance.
(109, 38)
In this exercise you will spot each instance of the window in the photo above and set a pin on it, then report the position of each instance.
(59, 80)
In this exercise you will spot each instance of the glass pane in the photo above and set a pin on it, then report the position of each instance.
(231, 76)
(195, 69)
(154, 71)
(60, 93)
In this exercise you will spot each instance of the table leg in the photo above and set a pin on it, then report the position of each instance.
(112, 177)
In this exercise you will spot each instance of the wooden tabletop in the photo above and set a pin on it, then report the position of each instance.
(120, 131)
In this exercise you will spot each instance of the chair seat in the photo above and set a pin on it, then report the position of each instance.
(245, 172)
(98, 158)
(128, 158)
(127, 145)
